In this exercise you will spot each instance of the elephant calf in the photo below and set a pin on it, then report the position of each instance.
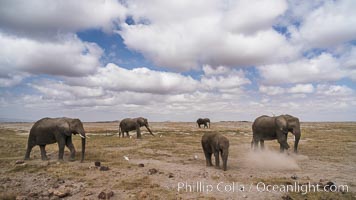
(215, 143)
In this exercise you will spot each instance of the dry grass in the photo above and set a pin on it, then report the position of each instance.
(173, 150)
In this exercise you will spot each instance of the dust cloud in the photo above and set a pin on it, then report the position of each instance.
(271, 160)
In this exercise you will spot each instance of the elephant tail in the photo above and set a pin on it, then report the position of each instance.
(119, 131)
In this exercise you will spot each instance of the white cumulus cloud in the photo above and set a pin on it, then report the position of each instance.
(142, 79)
(68, 57)
(223, 78)
(334, 90)
(271, 90)
(246, 16)
(176, 35)
(302, 88)
(296, 89)
(331, 23)
(321, 68)
(11, 79)
(49, 17)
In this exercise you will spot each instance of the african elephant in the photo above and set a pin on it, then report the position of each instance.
(130, 124)
(271, 128)
(204, 121)
(215, 143)
(50, 130)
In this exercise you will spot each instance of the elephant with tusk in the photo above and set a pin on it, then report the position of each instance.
(51, 130)
(130, 124)
(271, 128)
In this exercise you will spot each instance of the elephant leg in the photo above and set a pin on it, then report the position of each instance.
(262, 144)
(207, 154)
(281, 148)
(209, 163)
(70, 146)
(61, 144)
(28, 152)
(43, 152)
(224, 160)
(208, 158)
(255, 143)
(138, 133)
(216, 154)
(127, 134)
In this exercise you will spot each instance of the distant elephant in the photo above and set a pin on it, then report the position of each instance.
(130, 124)
(51, 130)
(215, 143)
(271, 128)
(204, 121)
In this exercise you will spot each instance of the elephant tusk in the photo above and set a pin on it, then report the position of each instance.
(81, 136)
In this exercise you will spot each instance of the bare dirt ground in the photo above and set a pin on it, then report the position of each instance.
(172, 164)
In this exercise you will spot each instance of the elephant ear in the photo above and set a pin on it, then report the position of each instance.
(65, 125)
(73, 125)
(141, 121)
(282, 123)
(291, 119)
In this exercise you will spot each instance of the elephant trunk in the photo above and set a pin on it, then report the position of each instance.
(285, 145)
(149, 130)
(297, 135)
(83, 145)
(83, 149)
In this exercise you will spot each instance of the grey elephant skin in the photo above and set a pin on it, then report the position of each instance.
(271, 128)
(217, 144)
(51, 130)
(130, 124)
(204, 122)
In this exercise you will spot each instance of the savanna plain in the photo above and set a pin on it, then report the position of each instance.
(163, 166)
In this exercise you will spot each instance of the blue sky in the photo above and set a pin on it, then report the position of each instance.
(178, 60)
